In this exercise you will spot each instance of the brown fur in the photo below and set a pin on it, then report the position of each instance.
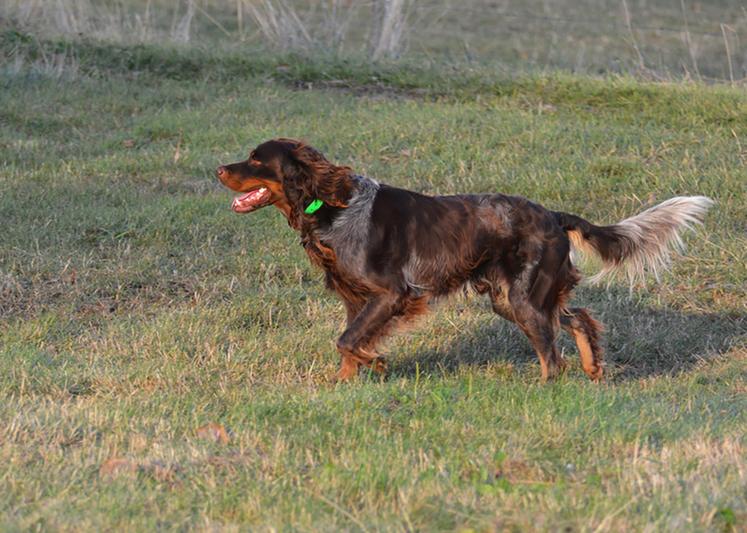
(388, 252)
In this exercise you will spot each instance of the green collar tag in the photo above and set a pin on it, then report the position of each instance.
(313, 207)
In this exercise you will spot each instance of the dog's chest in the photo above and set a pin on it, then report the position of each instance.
(348, 234)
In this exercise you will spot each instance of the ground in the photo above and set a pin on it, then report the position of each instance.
(164, 362)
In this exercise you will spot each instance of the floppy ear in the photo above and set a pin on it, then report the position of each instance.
(329, 183)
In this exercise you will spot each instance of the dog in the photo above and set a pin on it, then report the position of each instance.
(389, 252)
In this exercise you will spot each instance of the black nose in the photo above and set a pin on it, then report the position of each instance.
(221, 171)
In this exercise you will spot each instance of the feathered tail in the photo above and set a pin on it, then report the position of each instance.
(640, 244)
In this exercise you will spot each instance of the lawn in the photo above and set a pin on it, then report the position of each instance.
(137, 308)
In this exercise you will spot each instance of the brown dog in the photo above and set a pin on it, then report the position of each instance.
(389, 252)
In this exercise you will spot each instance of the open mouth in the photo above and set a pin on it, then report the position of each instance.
(252, 200)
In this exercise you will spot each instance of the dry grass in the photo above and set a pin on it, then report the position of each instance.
(656, 39)
(281, 24)
(74, 18)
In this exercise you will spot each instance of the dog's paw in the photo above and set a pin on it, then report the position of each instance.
(345, 373)
(379, 365)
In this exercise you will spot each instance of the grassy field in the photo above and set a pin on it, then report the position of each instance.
(137, 308)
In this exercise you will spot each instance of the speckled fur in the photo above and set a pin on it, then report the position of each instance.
(389, 252)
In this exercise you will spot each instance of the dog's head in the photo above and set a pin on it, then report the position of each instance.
(288, 174)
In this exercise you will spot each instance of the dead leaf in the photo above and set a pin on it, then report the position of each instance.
(214, 432)
(512, 469)
(116, 466)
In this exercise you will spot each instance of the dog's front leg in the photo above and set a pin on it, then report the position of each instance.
(357, 341)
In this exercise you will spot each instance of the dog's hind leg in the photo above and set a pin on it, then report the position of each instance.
(499, 302)
(541, 332)
(585, 331)
(534, 298)
(536, 326)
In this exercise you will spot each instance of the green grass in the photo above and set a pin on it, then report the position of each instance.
(137, 307)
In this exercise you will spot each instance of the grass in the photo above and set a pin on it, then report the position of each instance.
(655, 38)
(137, 308)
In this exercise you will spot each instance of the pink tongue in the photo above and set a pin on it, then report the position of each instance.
(250, 201)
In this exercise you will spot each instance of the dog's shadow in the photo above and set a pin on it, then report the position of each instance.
(639, 340)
